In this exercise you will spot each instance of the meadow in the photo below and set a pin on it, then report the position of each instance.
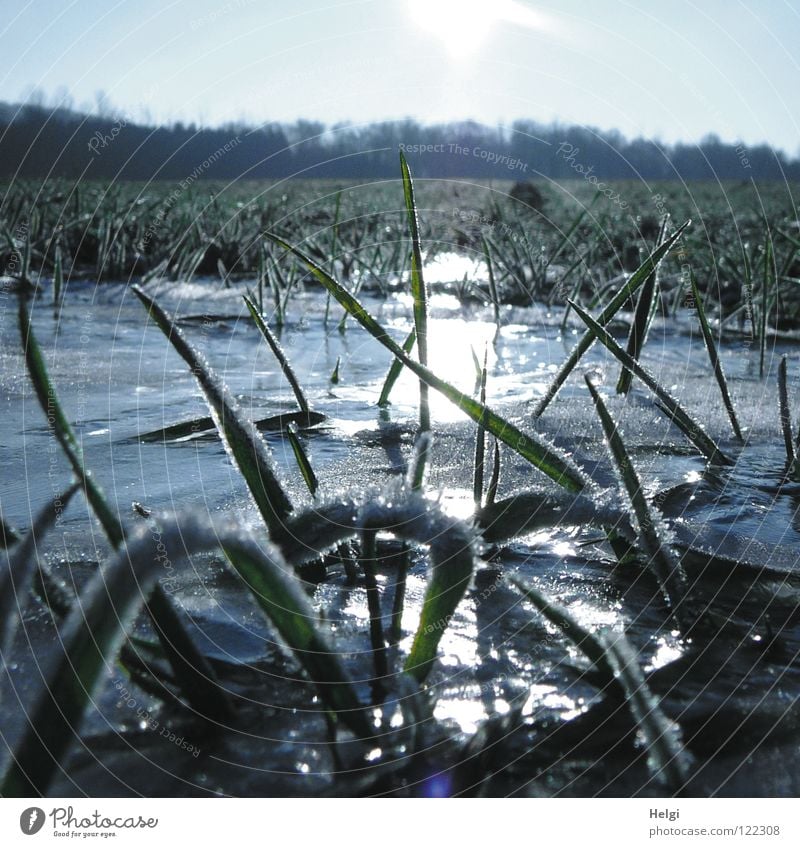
(410, 487)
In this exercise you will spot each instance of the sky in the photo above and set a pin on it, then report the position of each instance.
(666, 69)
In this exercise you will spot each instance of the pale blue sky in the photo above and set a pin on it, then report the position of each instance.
(667, 68)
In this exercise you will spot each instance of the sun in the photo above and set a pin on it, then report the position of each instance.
(464, 25)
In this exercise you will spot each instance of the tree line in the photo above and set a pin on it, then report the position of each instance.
(38, 142)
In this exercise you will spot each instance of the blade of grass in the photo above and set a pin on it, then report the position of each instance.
(480, 444)
(768, 261)
(487, 255)
(713, 355)
(452, 564)
(411, 518)
(667, 760)
(749, 310)
(491, 491)
(279, 594)
(418, 290)
(693, 430)
(418, 463)
(18, 570)
(368, 563)
(334, 236)
(277, 351)
(529, 511)
(244, 442)
(197, 680)
(395, 369)
(48, 400)
(399, 597)
(534, 449)
(415, 480)
(636, 280)
(203, 426)
(654, 535)
(307, 472)
(590, 644)
(613, 656)
(58, 276)
(783, 407)
(642, 318)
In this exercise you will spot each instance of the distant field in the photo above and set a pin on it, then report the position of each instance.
(545, 243)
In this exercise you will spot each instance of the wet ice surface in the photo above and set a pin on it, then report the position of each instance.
(117, 379)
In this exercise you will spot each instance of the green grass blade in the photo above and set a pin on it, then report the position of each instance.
(487, 255)
(335, 228)
(667, 760)
(335, 373)
(632, 285)
(783, 409)
(411, 518)
(480, 444)
(645, 308)
(395, 369)
(591, 645)
(203, 426)
(399, 598)
(277, 351)
(418, 463)
(494, 481)
(58, 276)
(529, 511)
(369, 557)
(56, 419)
(613, 656)
(17, 571)
(693, 430)
(653, 533)
(196, 679)
(452, 565)
(418, 290)
(713, 355)
(307, 472)
(244, 442)
(279, 594)
(549, 459)
(768, 262)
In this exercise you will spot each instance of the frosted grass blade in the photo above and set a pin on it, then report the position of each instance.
(636, 280)
(418, 290)
(713, 355)
(244, 442)
(693, 430)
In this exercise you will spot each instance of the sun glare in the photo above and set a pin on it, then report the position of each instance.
(463, 25)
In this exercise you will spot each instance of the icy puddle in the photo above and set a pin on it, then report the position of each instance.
(507, 686)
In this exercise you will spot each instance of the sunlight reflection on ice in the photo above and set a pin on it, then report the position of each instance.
(450, 357)
(547, 696)
(667, 650)
(453, 267)
(455, 502)
(467, 713)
